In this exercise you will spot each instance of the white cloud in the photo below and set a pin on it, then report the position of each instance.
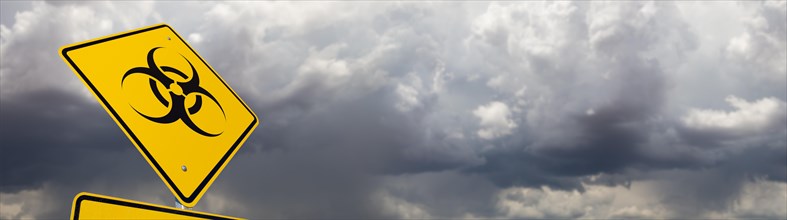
(219, 203)
(747, 118)
(760, 199)
(35, 37)
(495, 120)
(440, 77)
(11, 211)
(400, 208)
(571, 73)
(408, 98)
(762, 48)
(595, 202)
(642, 200)
(590, 112)
(26, 204)
(195, 38)
(573, 56)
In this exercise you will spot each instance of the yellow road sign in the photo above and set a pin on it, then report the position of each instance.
(93, 206)
(182, 117)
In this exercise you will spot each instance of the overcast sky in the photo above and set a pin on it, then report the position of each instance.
(428, 110)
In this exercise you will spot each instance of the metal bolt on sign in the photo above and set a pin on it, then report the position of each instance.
(174, 108)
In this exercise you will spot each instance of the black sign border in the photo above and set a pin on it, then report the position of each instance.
(83, 197)
(169, 181)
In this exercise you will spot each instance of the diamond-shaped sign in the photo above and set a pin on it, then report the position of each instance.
(95, 206)
(182, 117)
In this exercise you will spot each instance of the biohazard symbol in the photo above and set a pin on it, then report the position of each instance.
(178, 89)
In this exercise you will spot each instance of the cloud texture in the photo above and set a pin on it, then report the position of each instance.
(428, 110)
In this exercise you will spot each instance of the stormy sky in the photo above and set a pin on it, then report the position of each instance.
(428, 110)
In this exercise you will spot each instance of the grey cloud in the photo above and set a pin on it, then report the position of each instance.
(37, 35)
(46, 135)
(600, 122)
(367, 109)
(59, 144)
(443, 193)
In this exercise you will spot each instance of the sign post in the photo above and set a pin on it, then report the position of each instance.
(180, 114)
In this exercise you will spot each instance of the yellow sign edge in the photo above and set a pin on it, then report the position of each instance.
(63, 54)
(82, 196)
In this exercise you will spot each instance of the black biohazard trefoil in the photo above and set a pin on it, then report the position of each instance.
(165, 79)
(177, 92)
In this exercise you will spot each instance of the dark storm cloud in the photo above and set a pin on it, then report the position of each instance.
(325, 162)
(64, 143)
(50, 129)
(609, 135)
(403, 110)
